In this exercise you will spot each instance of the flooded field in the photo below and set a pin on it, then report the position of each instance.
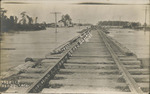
(136, 41)
(36, 44)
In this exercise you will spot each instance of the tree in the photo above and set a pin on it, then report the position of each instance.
(36, 20)
(66, 19)
(23, 20)
(30, 20)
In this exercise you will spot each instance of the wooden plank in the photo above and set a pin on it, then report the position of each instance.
(143, 85)
(95, 66)
(96, 41)
(128, 59)
(35, 70)
(131, 62)
(87, 76)
(142, 80)
(87, 82)
(136, 63)
(87, 91)
(90, 45)
(132, 66)
(87, 59)
(91, 52)
(87, 70)
(94, 50)
(46, 65)
(93, 43)
(75, 64)
(27, 81)
(17, 90)
(140, 76)
(30, 75)
(49, 60)
(138, 70)
(52, 57)
(90, 62)
(91, 55)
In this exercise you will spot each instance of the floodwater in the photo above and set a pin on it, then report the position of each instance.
(37, 44)
(136, 41)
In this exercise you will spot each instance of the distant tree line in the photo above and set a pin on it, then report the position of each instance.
(124, 24)
(12, 24)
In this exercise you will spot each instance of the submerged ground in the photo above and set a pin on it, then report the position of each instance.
(15, 47)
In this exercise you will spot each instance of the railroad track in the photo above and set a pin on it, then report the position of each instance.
(90, 63)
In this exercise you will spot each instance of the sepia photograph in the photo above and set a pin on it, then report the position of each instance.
(75, 46)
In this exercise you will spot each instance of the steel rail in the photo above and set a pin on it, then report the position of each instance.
(50, 73)
(129, 80)
(120, 47)
(66, 45)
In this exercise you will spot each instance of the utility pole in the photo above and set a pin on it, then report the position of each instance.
(149, 13)
(55, 13)
(112, 21)
(145, 18)
(79, 22)
(120, 21)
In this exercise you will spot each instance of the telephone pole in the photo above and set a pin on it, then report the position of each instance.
(149, 13)
(55, 13)
(145, 15)
(120, 21)
(79, 22)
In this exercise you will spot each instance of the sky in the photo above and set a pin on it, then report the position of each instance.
(133, 10)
